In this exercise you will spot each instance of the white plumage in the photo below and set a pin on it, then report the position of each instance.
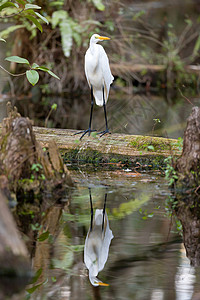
(97, 69)
(97, 245)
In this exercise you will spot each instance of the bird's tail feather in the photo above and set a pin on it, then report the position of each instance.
(98, 97)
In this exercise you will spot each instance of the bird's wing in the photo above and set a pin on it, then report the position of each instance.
(107, 75)
(86, 73)
(105, 245)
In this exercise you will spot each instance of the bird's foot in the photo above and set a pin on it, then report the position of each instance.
(104, 132)
(89, 130)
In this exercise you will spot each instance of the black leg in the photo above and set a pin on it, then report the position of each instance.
(89, 130)
(91, 207)
(104, 106)
(104, 209)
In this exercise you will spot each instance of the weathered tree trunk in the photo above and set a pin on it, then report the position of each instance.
(36, 179)
(29, 168)
(189, 216)
(186, 191)
(188, 165)
(14, 258)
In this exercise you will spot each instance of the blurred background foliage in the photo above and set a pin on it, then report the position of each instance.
(169, 38)
(154, 46)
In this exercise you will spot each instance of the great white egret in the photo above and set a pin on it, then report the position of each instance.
(99, 77)
(97, 243)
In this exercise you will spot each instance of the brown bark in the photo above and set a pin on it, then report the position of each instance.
(24, 162)
(10, 240)
(187, 187)
(15, 263)
(188, 165)
(189, 216)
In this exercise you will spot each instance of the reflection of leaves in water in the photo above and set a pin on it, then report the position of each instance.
(80, 210)
(65, 263)
(79, 219)
(34, 280)
(35, 287)
(43, 236)
(37, 275)
(67, 260)
(128, 208)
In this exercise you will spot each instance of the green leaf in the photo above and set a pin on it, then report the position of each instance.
(32, 76)
(56, 3)
(42, 17)
(32, 6)
(52, 74)
(21, 2)
(31, 290)
(189, 22)
(77, 38)
(5, 33)
(57, 16)
(138, 15)
(98, 4)
(54, 106)
(53, 279)
(43, 236)
(36, 276)
(8, 4)
(150, 147)
(66, 36)
(2, 40)
(197, 46)
(41, 68)
(35, 21)
(34, 288)
(17, 59)
(34, 66)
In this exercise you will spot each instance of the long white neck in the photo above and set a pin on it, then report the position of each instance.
(93, 48)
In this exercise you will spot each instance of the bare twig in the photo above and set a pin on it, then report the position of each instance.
(11, 73)
(185, 97)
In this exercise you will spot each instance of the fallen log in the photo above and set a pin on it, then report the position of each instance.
(134, 68)
(109, 148)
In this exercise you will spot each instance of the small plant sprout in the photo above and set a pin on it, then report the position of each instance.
(53, 107)
(37, 168)
(156, 121)
(170, 172)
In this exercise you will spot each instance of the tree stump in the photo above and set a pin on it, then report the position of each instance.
(187, 188)
(188, 165)
(29, 168)
(31, 175)
(189, 216)
(15, 265)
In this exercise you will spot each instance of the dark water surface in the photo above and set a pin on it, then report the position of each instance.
(146, 259)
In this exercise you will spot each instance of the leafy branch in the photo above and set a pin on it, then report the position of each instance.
(10, 9)
(27, 9)
(32, 74)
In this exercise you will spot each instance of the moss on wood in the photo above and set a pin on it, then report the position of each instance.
(112, 148)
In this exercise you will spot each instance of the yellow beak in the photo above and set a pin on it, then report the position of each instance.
(103, 284)
(103, 38)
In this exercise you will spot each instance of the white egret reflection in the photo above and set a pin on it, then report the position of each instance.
(97, 243)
